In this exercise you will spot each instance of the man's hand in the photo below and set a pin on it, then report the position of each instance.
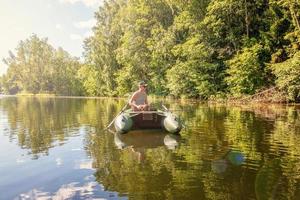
(144, 107)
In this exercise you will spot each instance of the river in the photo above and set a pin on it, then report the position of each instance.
(56, 148)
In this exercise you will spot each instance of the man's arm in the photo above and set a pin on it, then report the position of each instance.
(132, 100)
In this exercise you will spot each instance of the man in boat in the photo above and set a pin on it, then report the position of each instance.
(138, 100)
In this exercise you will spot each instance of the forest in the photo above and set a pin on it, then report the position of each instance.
(203, 49)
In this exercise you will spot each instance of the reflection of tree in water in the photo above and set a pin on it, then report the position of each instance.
(153, 178)
(267, 181)
(188, 171)
(99, 112)
(37, 123)
(261, 133)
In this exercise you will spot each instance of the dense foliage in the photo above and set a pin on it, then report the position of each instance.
(246, 71)
(288, 74)
(184, 48)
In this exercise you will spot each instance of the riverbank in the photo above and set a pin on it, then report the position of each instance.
(267, 96)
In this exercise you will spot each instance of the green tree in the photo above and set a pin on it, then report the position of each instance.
(29, 68)
(144, 20)
(64, 74)
(100, 49)
(288, 76)
(196, 71)
(246, 71)
(37, 67)
(91, 80)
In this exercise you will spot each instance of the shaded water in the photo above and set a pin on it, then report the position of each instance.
(55, 148)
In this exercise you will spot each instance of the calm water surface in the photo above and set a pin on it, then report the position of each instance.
(55, 148)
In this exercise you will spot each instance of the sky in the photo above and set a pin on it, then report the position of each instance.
(64, 22)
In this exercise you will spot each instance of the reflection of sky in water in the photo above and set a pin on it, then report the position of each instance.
(73, 190)
(65, 173)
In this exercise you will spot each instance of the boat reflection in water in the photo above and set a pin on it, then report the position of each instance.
(140, 141)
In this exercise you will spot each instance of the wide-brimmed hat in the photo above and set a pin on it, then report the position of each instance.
(142, 83)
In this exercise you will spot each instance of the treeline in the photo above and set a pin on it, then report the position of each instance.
(191, 48)
(39, 68)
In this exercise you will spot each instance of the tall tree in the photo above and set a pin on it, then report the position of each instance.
(37, 67)
(144, 20)
(100, 49)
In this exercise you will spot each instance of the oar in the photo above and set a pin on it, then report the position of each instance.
(164, 107)
(123, 109)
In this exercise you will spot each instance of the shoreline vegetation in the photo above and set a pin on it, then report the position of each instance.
(265, 97)
(212, 50)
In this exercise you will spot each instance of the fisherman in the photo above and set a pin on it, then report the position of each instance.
(138, 100)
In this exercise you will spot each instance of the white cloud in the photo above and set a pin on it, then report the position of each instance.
(84, 164)
(59, 161)
(67, 191)
(75, 37)
(19, 29)
(49, 5)
(58, 26)
(88, 3)
(89, 34)
(34, 194)
(85, 24)
(76, 149)
(20, 160)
